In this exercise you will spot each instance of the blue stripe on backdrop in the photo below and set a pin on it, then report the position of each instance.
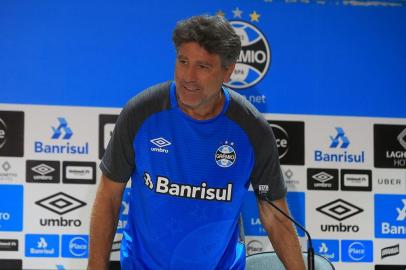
(331, 59)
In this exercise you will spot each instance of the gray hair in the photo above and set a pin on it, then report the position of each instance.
(213, 33)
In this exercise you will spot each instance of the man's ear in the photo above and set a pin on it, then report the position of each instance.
(229, 71)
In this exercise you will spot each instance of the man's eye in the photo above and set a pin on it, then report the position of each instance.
(182, 61)
(204, 67)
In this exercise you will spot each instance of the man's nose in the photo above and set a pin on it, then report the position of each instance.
(190, 74)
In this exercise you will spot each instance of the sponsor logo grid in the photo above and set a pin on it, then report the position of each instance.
(346, 165)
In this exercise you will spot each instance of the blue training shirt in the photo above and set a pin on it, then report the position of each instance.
(189, 179)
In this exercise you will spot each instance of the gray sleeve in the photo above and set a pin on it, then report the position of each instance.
(266, 177)
(118, 161)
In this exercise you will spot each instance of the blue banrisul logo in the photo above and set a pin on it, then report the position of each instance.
(41, 245)
(11, 208)
(327, 248)
(62, 132)
(356, 251)
(62, 128)
(75, 246)
(390, 216)
(123, 218)
(340, 142)
(252, 223)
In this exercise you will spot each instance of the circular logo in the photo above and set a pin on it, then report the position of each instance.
(225, 156)
(254, 59)
(282, 140)
(356, 251)
(3, 131)
(78, 246)
(254, 246)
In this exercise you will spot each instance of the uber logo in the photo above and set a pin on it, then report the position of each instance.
(11, 133)
(356, 180)
(42, 171)
(290, 139)
(322, 179)
(106, 127)
(78, 172)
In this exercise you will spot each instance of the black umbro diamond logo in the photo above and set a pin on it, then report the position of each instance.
(60, 203)
(339, 209)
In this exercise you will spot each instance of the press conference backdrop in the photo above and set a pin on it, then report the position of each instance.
(329, 77)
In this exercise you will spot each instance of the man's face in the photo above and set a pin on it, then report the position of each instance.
(199, 76)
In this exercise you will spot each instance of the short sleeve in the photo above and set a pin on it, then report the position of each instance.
(118, 160)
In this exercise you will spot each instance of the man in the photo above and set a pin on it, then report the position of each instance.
(191, 148)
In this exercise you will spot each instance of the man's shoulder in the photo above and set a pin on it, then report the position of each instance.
(241, 109)
(151, 99)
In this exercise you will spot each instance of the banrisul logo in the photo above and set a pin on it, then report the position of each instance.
(41, 245)
(254, 59)
(327, 248)
(225, 155)
(339, 150)
(61, 136)
(390, 216)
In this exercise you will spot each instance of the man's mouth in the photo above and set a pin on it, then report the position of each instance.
(191, 88)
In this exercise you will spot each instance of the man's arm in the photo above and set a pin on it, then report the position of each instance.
(103, 222)
(282, 234)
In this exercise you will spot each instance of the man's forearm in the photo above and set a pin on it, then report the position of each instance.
(287, 246)
(102, 228)
(282, 234)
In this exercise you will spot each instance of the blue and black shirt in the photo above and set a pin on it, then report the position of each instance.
(189, 179)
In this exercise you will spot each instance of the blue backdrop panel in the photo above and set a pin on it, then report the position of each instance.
(334, 59)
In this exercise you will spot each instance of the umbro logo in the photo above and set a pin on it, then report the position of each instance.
(43, 169)
(60, 203)
(161, 143)
(339, 209)
(322, 177)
